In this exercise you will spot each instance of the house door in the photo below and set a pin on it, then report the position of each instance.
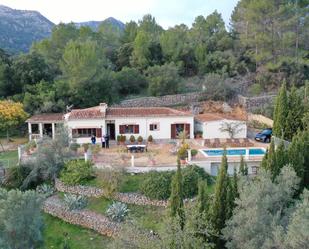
(111, 131)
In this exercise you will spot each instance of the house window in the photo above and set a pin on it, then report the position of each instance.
(85, 132)
(154, 127)
(128, 129)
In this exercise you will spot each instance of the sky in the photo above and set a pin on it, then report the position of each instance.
(167, 12)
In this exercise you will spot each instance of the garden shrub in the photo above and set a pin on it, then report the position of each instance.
(150, 139)
(76, 172)
(190, 177)
(45, 189)
(110, 180)
(132, 139)
(75, 202)
(140, 139)
(74, 147)
(15, 176)
(157, 185)
(117, 211)
(194, 152)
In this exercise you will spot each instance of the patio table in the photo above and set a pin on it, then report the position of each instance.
(137, 148)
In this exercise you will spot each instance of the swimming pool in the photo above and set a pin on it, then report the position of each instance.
(234, 152)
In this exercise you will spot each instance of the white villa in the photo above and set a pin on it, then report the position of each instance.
(214, 125)
(160, 122)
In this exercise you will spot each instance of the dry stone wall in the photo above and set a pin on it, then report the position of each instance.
(129, 198)
(167, 100)
(84, 218)
(252, 103)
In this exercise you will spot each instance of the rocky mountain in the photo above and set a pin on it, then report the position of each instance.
(94, 25)
(20, 28)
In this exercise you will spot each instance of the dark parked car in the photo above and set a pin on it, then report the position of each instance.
(264, 136)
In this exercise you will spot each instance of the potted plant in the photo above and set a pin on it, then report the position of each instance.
(199, 134)
(132, 139)
(140, 139)
(150, 139)
(123, 139)
(118, 139)
(194, 153)
(182, 154)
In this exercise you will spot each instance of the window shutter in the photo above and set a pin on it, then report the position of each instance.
(151, 127)
(187, 127)
(99, 132)
(136, 129)
(173, 131)
(121, 129)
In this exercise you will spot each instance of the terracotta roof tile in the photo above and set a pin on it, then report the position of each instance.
(88, 113)
(46, 117)
(144, 111)
(217, 116)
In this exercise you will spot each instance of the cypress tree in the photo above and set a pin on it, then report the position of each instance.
(220, 205)
(243, 167)
(271, 158)
(235, 184)
(280, 160)
(202, 196)
(293, 120)
(298, 156)
(280, 112)
(176, 199)
(264, 163)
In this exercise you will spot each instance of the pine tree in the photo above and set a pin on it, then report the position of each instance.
(219, 207)
(176, 199)
(202, 196)
(280, 112)
(243, 167)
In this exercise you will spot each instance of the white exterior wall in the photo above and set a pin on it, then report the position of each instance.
(212, 130)
(164, 123)
(87, 123)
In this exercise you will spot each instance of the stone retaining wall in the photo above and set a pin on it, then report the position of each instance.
(84, 218)
(129, 198)
(252, 103)
(167, 100)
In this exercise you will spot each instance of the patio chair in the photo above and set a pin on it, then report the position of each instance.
(217, 143)
(207, 143)
(229, 142)
(237, 142)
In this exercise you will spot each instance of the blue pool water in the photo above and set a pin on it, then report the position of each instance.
(235, 152)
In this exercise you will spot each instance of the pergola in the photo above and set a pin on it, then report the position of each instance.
(44, 125)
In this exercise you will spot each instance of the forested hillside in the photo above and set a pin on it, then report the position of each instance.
(266, 46)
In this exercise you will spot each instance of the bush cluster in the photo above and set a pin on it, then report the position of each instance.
(76, 172)
(157, 185)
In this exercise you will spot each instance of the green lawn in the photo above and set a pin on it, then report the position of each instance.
(77, 237)
(9, 158)
(147, 217)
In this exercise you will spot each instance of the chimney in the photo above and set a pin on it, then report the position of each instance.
(103, 107)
